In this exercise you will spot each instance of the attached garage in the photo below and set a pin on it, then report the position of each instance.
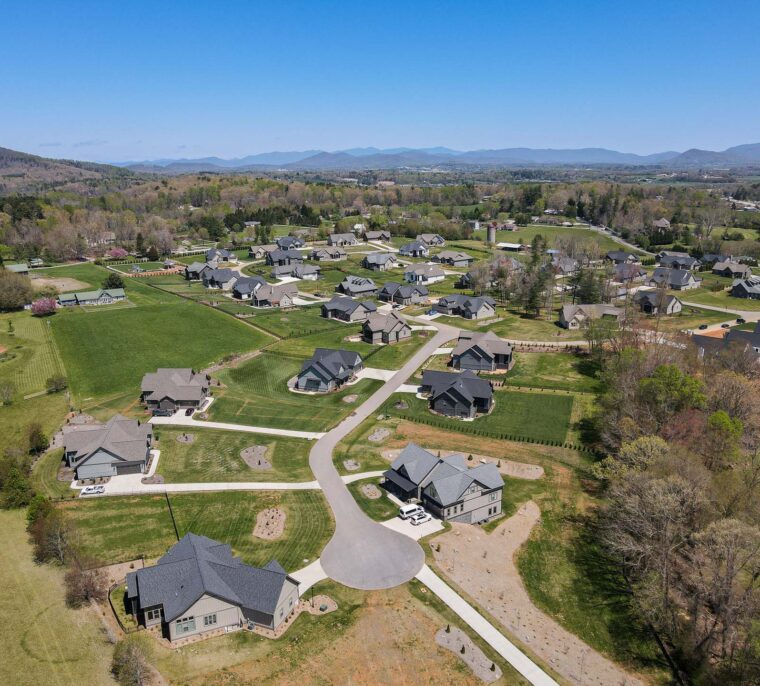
(133, 468)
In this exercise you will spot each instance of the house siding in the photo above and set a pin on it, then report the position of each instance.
(226, 615)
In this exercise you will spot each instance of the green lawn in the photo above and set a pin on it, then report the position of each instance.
(120, 529)
(563, 371)
(44, 475)
(256, 393)
(106, 353)
(722, 299)
(47, 410)
(215, 456)
(525, 234)
(534, 416)
(145, 266)
(379, 509)
(289, 323)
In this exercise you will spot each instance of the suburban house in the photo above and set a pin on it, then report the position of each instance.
(629, 272)
(200, 586)
(677, 279)
(414, 249)
(220, 255)
(575, 316)
(259, 252)
(657, 301)
(347, 309)
(328, 370)
(563, 266)
(467, 306)
(621, 257)
(732, 269)
(341, 239)
(196, 270)
(278, 295)
(282, 257)
(748, 341)
(710, 258)
(402, 294)
(170, 389)
(662, 224)
(357, 286)
(289, 243)
(328, 254)
(445, 486)
(424, 273)
(481, 352)
(453, 258)
(245, 287)
(377, 235)
(462, 395)
(102, 296)
(220, 278)
(431, 239)
(297, 270)
(379, 261)
(120, 446)
(679, 261)
(385, 328)
(746, 288)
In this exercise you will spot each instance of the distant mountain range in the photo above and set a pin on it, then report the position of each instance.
(394, 158)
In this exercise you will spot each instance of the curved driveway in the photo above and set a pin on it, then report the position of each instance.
(363, 553)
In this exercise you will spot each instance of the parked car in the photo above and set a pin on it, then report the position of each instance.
(93, 490)
(420, 517)
(406, 511)
(725, 326)
(741, 320)
(188, 411)
(702, 327)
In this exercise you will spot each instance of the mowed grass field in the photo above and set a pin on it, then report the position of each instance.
(43, 641)
(47, 410)
(256, 393)
(215, 456)
(563, 371)
(120, 529)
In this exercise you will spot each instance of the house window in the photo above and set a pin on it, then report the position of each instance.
(281, 611)
(493, 496)
(290, 603)
(461, 507)
(152, 615)
(185, 625)
(209, 620)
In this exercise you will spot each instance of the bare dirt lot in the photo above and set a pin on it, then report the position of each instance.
(457, 641)
(62, 283)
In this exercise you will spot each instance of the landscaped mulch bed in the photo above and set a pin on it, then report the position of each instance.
(255, 457)
(350, 398)
(351, 465)
(379, 435)
(270, 524)
(185, 438)
(371, 491)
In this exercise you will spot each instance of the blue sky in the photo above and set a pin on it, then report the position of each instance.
(144, 80)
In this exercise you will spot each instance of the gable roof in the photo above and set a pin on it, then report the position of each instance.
(590, 311)
(655, 298)
(672, 277)
(486, 341)
(403, 290)
(452, 256)
(467, 385)
(387, 323)
(345, 303)
(413, 246)
(429, 270)
(333, 364)
(221, 275)
(127, 439)
(467, 303)
(357, 284)
(379, 258)
(248, 284)
(174, 383)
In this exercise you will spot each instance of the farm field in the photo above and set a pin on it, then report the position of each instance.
(44, 642)
(215, 456)
(256, 393)
(118, 529)
(554, 234)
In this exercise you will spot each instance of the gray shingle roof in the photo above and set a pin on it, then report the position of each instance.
(176, 384)
(344, 303)
(466, 384)
(672, 277)
(487, 341)
(333, 364)
(124, 438)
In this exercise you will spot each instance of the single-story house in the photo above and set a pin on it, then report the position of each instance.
(746, 288)
(385, 328)
(453, 258)
(220, 255)
(245, 287)
(379, 261)
(732, 269)
(733, 339)
(200, 586)
(220, 278)
(575, 316)
(328, 370)
(196, 270)
(282, 257)
(346, 309)
(289, 242)
(431, 239)
(677, 279)
(102, 296)
(657, 301)
(457, 395)
(711, 258)
(297, 270)
(424, 273)
(414, 249)
(629, 272)
(377, 235)
(403, 294)
(679, 261)
(467, 306)
(445, 486)
(622, 257)
(481, 352)
(328, 254)
(357, 286)
(259, 252)
(22, 269)
(341, 239)
(120, 446)
(170, 389)
(278, 295)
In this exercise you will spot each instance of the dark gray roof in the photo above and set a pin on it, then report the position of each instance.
(221, 275)
(176, 384)
(467, 384)
(466, 303)
(621, 255)
(357, 284)
(291, 255)
(414, 463)
(196, 566)
(347, 304)
(412, 247)
(287, 242)
(656, 298)
(681, 261)
(125, 438)
(218, 254)
(672, 277)
(486, 341)
(750, 285)
(379, 258)
(333, 364)
(393, 288)
(248, 284)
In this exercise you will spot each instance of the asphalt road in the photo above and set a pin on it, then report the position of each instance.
(363, 553)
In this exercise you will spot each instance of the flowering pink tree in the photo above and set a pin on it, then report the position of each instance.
(117, 253)
(44, 306)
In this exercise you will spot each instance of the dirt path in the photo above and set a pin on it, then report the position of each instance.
(489, 575)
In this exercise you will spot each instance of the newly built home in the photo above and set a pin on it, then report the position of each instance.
(274, 295)
(357, 286)
(677, 260)
(657, 301)
(467, 306)
(282, 257)
(170, 389)
(746, 288)
(101, 296)
(259, 252)
(346, 309)
(223, 279)
(342, 239)
(481, 352)
(379, 261)
(219, 255)
(463, 395)
(677, 279)
(629, 272)
(385, 328)
(563, 265)
(328, 370)
(120, 446)
(575, 316)
(289, 242)
(434, 240)
(297, 270)
(453, 258)
(403, 294)
(445, 486)
(733, 269)
(328, 254)
(381, 235)
(245, 287)
(200, 586)
(621, 257)
(196, 270)
(733, 339)
(414, 249)
(424, 274)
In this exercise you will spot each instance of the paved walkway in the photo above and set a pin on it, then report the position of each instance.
(179, 419)
(308, 576)
(748, 315)
(487, 631)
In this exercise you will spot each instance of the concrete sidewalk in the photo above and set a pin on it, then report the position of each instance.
(179, 419)
(308, 576)
(487, 631)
